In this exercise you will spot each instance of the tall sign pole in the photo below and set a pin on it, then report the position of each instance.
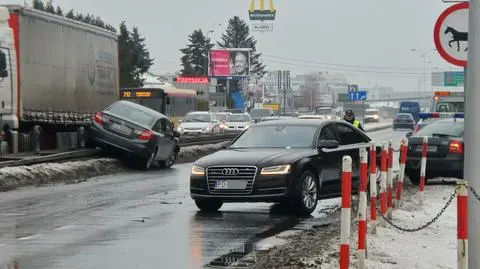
(459, 25)
(472, 131)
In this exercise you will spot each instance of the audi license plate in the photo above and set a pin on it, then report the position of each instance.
(121, 128)
(230, 184)
(429, 148)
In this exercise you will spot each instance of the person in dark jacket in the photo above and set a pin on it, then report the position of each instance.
(350, 118)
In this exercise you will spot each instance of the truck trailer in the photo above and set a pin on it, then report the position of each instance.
(55, 73)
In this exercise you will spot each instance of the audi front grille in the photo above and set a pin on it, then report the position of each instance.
(244, 173)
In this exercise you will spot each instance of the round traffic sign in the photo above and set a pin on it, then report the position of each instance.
(451, 34)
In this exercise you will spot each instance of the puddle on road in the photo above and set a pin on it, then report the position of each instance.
(240, 257)
(235, 257)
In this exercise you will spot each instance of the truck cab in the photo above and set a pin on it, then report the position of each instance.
(447, 101)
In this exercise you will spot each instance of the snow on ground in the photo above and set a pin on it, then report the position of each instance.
(432, 247)
(11, 177)
(370, 126)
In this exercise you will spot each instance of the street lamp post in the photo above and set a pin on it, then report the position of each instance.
(424, 56)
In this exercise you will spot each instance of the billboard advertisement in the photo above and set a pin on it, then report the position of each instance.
(229, 63)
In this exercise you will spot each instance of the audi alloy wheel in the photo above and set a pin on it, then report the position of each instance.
(307, 197)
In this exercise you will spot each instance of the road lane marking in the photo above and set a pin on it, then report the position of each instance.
(29, 237)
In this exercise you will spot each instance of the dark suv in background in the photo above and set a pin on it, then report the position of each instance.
(403, 121)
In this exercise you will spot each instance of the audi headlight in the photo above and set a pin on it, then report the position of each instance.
(375, 116)
(329, 117)
(276, 170)
(206, 129)
(198, 171)
(246, 126)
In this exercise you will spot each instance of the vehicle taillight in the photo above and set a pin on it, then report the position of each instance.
(145, 135)
(99, 118)
(456, 146)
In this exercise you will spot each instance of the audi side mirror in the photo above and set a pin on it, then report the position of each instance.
(408, 134)
(328, 144)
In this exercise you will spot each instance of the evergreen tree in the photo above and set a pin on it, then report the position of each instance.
(125, 57)
(89, 19)
(79, 17)
(49, 7)
(141, 57)
(238, 35)
(195, 55)
(38, 4)
(70, 14)
(59, 11)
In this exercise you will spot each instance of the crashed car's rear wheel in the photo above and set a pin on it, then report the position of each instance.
(307, 197)
(147, 162)
(208, 205)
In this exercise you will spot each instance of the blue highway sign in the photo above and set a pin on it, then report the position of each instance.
(357, 96)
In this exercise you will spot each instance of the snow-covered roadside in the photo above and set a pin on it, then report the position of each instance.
(432, 247)
(77, 171)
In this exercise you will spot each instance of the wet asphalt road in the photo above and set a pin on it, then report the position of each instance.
(129, 220)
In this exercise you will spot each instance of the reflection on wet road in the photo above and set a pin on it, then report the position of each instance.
(129, 220)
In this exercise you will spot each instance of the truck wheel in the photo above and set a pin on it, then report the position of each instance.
(209, 205)
(307, 194)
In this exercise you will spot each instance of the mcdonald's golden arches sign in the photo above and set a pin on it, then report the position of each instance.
(262, 14)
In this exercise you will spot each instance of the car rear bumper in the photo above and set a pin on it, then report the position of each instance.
(403, 126)
(452, 165)
(104, 137)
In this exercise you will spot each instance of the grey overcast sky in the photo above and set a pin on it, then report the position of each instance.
(375, 33)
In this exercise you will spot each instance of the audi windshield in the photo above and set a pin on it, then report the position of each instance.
(277, 136)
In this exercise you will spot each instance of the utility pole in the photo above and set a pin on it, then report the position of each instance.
(279, 86)
(472, 131)
(285, 77)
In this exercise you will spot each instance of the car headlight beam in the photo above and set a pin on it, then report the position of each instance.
(198, 171)
(276, 170)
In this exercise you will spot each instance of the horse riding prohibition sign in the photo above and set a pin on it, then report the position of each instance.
(451, 34)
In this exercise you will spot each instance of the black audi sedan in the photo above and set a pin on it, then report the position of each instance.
(293, 162)
(145, 135)
(445, 150)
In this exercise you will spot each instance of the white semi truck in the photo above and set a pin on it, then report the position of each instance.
(55, 73)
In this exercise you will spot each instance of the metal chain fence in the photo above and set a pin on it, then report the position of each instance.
(430, 222)
(474, 192)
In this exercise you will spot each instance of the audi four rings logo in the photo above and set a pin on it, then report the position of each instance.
(230, 171)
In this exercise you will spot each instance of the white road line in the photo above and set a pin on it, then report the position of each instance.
(29, 237)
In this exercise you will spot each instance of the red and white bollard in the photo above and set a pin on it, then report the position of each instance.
(390, 180)
(345, 224)
(362, 209)
(373, 188)
(423, 168)
(403, 161)
(383, 181)
(462, 225)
